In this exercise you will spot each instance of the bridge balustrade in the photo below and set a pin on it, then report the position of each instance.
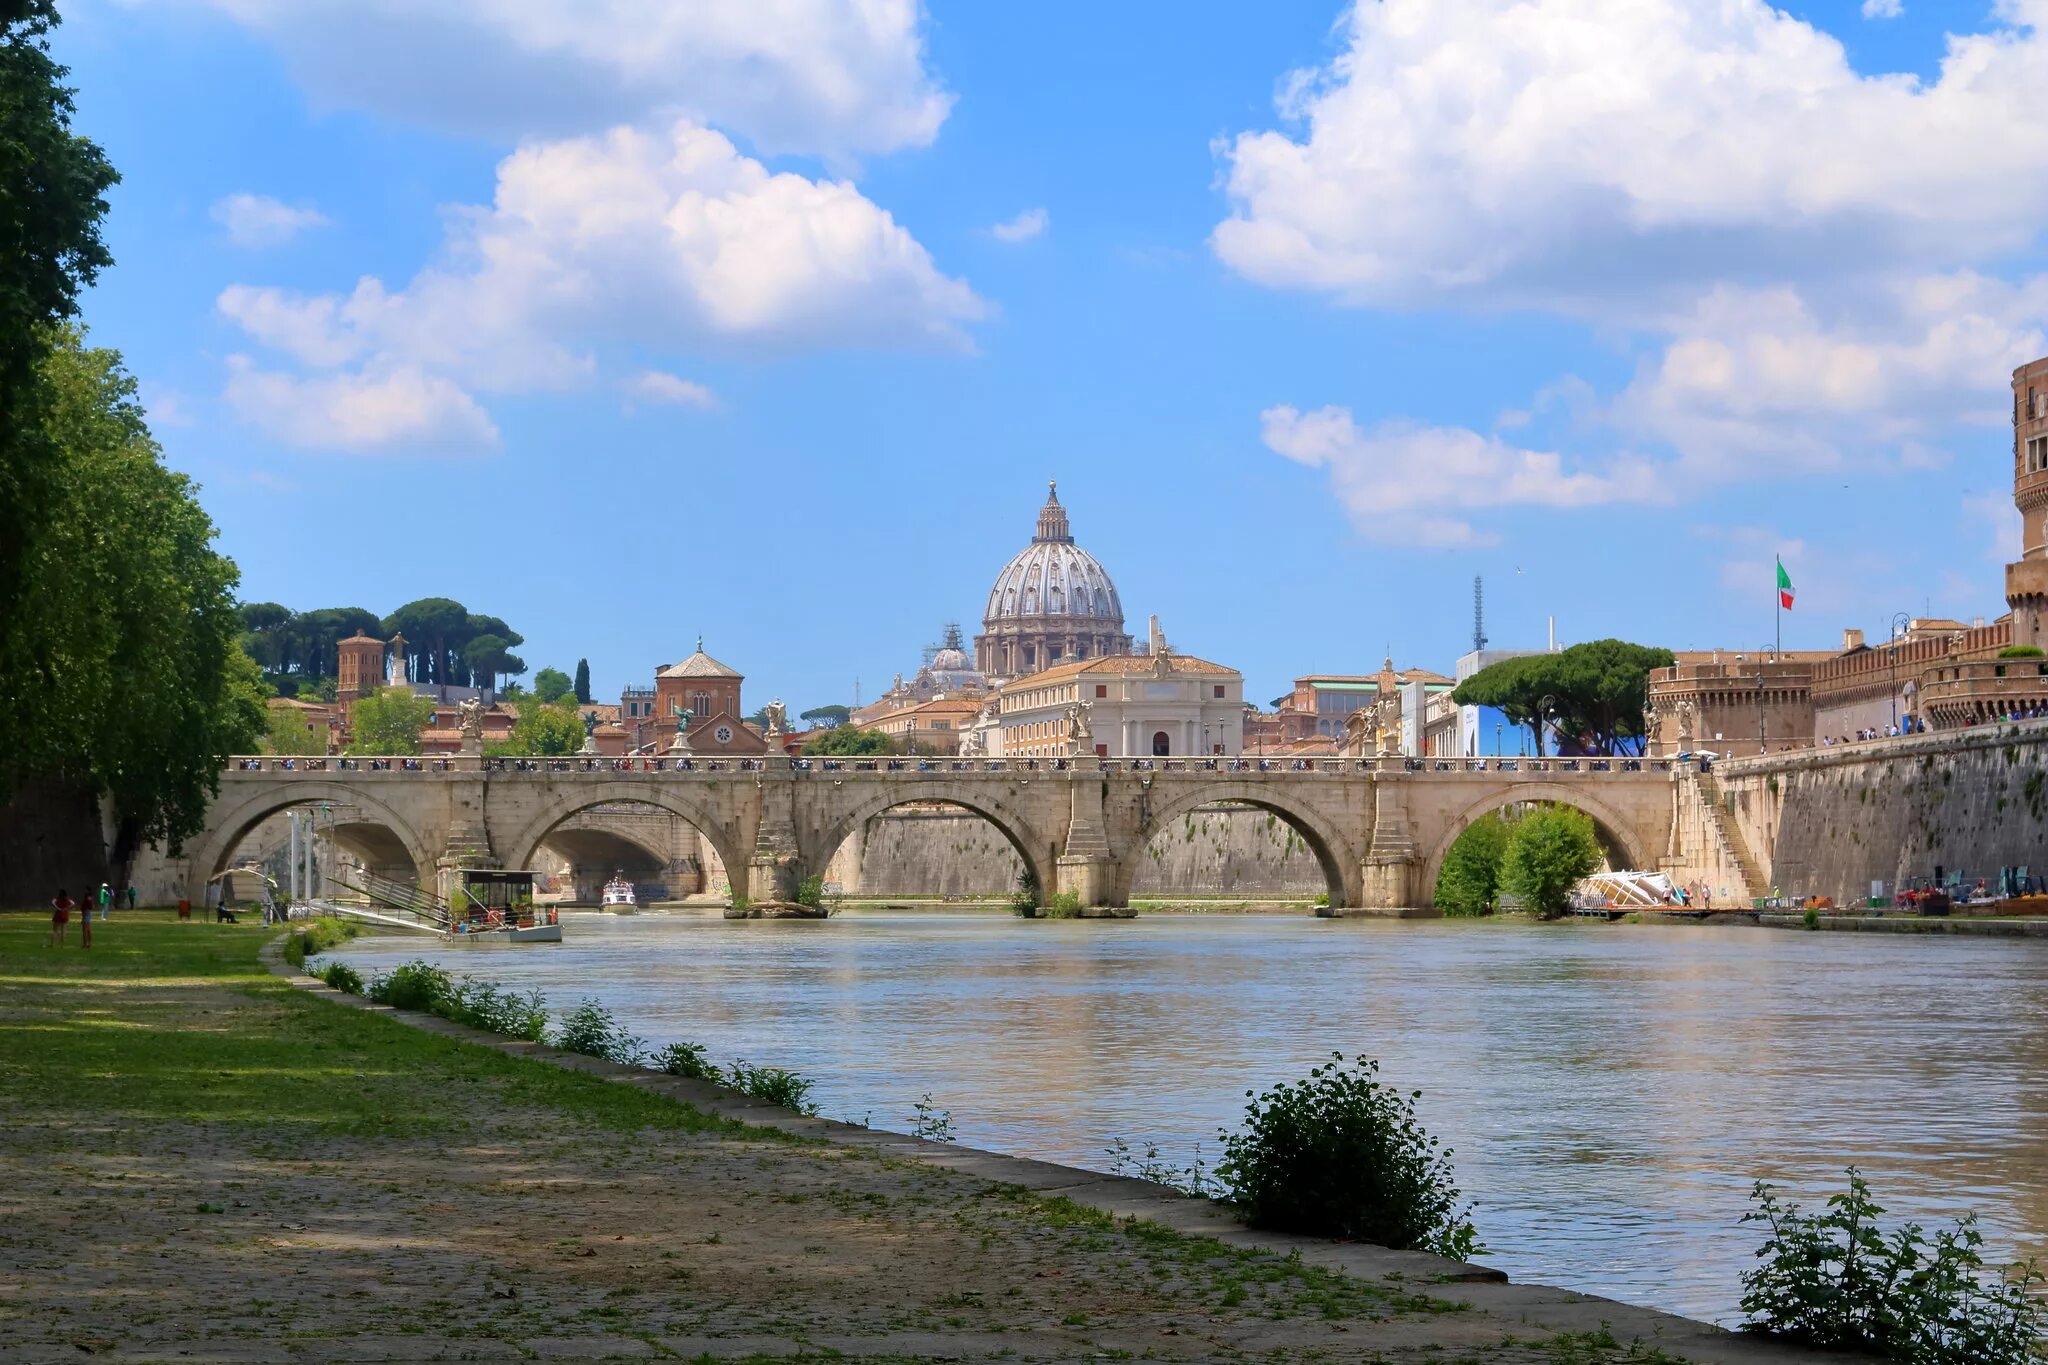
(639, 765)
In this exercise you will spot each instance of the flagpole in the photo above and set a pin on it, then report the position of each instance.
(1779, 594)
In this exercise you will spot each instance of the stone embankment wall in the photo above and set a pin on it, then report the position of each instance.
(1212, 851)
(1830, 821)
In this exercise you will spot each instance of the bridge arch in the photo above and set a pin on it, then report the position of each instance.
(230, 823)
(1034, 847)
(1337, 855)
(682, 802)
(1617, 831)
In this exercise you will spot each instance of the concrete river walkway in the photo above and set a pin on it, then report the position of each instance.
(210, 1160)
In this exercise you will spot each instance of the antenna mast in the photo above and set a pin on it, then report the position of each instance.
(1478, 613)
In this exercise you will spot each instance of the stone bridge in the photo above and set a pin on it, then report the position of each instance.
(1379, 827)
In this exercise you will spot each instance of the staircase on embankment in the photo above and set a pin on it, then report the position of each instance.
(1727, 840)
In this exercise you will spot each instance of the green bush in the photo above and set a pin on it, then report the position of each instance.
(1024, 900)
(414, 985)
(811, 891)
(1547, 853)
(1811, 919)
(591, 1030)
(1321, 900)
(2020, 652)
(773, 1085)
(1063, 905)
(342, 977)
(1341, 1154)
(688, 1060)
(1470, 881)
(488, 1006)
(315, 937)
(1835, 1281)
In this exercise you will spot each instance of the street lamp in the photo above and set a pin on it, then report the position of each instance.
(1902, 625)
(1543, 706)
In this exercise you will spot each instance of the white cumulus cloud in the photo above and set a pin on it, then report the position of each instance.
(1883, 9)
(667, 239)
(1596, 156)
(257, 220)
(398, 409)
(658, 386)
(1405, 483)
(837, 77)
(1026, 225)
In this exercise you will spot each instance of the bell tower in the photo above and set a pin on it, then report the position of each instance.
(2026, 579)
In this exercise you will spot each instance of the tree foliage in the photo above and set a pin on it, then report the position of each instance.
(828, 715)
(388, 721)
(551, 685)
(128, 678)
(1595, 692)
(849, 741)
(53, 186)
(542, 729)
(1469, 883)
(287, 732)
(583, 681)
(1549, 850)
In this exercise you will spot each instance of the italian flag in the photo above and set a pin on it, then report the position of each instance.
(1784, 587)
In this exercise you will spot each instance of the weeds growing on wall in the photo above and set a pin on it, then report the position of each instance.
(1342, 1154)
(1835, 1280)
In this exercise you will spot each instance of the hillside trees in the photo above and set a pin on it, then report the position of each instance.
(388, 721)
(848, 741)
(551, 685)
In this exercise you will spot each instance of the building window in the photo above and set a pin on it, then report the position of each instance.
(700, 702)
(1161, 746)
(1102, 689)
(1219, 689)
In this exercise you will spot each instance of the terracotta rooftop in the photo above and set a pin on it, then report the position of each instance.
(699, 665)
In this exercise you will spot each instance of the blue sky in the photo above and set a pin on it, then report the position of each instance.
(769, 321)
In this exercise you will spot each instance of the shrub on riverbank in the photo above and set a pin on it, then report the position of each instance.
(1835, 1281)
(489, 1006)
(1024, 900)
(342, 977)
(1470, 881)
(1341, 1154)
(774, 1085)
(414, 985)
(688, 1061)
(592, 1030)
(1063, 905)
(315, 937)
(1549, 851)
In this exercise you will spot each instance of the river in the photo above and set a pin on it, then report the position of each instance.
(1611, 1092)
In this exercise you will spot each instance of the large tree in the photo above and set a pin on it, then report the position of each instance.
(583, 681)
(551, 685)
(288, 733)
(1547, 853)
(388, 721)
(1592, 692)
(541, 730)
(132, 681)
(53, 186)
(848, 741)
(1469, 883)
(828, 715)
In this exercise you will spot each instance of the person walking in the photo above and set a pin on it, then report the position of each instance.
(131, 895)
(106, 899)
(60, 917)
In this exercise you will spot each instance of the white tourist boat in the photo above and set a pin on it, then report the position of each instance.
(619, 895)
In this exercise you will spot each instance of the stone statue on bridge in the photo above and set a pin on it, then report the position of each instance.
(681, 743)
(1080, 734)
(777, 717)
(470, 718)
(589, 734)
(1386, 724)
(1653, 744)
(1688, 715)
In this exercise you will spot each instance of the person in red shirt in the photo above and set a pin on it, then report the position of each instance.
(60, 916)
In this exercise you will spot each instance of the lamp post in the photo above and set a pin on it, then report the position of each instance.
(1543, 706)
(1902, 626)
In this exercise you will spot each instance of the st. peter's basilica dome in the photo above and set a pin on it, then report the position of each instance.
(1051, 604)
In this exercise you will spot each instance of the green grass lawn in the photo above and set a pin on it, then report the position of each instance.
(162, 1022)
